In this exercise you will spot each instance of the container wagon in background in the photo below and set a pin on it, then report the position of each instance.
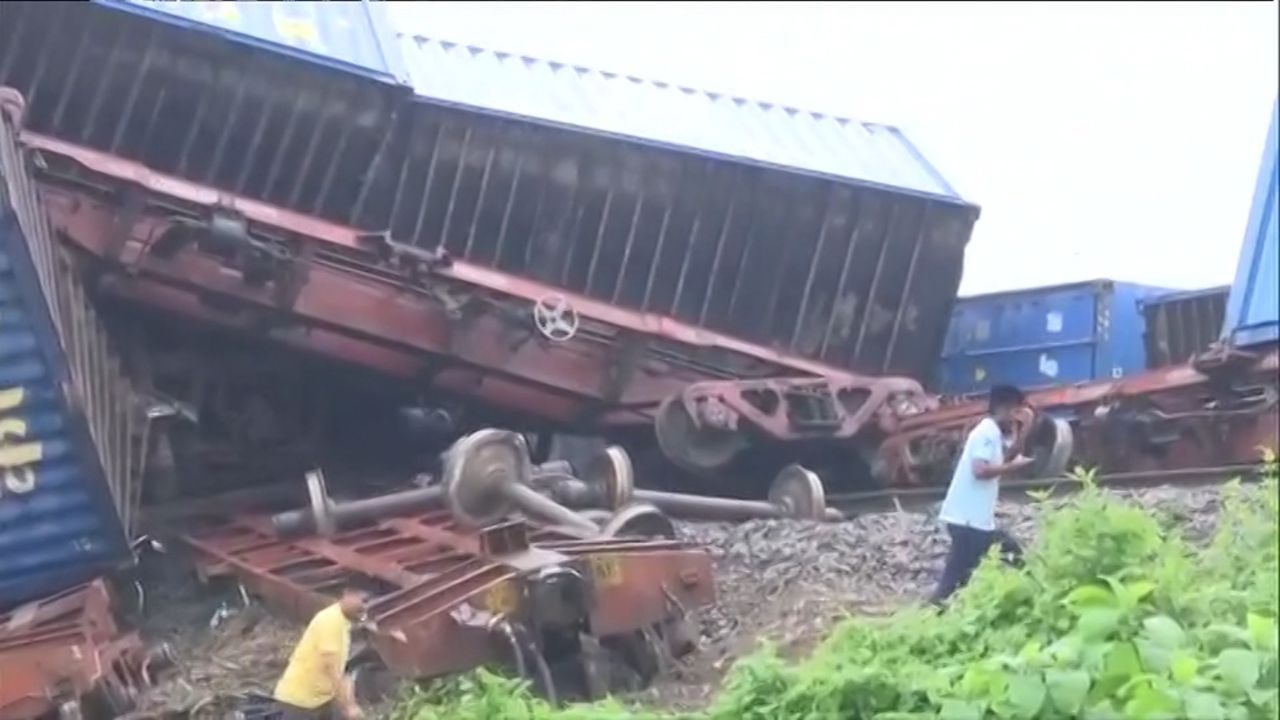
(567, 249)
(71, 432)
(1214, 410)
(1047, 336)
(1076, 333)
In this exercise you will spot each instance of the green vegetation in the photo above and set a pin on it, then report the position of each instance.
(1113, 616)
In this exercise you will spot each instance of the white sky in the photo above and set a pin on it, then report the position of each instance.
(1101, 139)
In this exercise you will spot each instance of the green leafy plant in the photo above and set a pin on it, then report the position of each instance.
(1112, 616)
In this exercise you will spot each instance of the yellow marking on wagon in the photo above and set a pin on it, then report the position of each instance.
(606, 569)
(501, 598)
(17, 454)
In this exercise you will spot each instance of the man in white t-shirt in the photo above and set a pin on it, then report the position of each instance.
(969, 510)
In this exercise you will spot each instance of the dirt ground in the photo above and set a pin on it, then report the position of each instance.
(785, 582)
(243, 653)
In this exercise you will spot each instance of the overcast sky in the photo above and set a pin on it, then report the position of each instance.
(1102, 140)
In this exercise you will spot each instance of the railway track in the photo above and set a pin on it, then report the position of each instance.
(917, 498)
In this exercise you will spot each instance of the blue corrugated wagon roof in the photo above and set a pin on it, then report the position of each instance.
(670, 115)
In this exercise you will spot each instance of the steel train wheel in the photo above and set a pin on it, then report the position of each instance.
(800, 491)
(698, 450)
(639, 520)
(1053, 447)
(476, 469)
(612, 475)
(319, 504)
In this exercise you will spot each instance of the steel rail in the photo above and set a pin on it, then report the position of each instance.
(853, 504)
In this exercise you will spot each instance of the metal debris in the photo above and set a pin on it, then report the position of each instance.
(609, 482)
(59, 651)
(531, 596)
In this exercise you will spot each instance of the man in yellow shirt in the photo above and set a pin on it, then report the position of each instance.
(314, 685)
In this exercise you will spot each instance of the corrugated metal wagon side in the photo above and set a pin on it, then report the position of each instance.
(820, 236)
(1253, 309)
(1181, 325)
(67, 454)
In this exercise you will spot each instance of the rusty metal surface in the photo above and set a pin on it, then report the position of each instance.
(469, 331)
(806, 408)
(438, 586)
(711, 427)
(71, 435)
(1181, 325)
(64, 647)
(1216, 410)
(861, 278)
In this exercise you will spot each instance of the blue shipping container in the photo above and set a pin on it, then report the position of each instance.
(67, 459)
(1042, 337)
(351, 36)
(1253, 309)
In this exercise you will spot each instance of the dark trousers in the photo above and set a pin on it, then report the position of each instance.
(968, 546)
(292, 712)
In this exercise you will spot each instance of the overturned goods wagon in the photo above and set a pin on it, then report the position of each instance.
(565, 245)
(564, 611)
(578, 608)
(71, 431)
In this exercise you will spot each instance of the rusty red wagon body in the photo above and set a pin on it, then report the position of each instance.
(443, 323)
(1219, 410)
(65, 648)
(437, 586)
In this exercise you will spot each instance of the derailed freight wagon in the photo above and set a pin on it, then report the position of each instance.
(568, 246)
(1213, 411)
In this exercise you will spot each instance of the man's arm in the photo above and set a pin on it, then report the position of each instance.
(986, 470)
(345, 695)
